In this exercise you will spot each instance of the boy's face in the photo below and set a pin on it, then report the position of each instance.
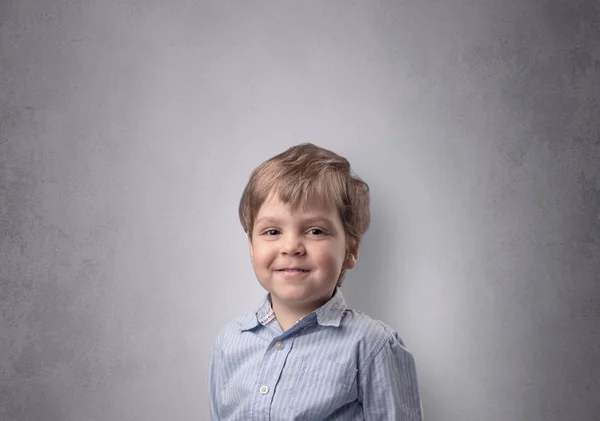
(297, 255)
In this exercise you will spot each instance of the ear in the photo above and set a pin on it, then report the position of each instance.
(351, 258)
(250, 248)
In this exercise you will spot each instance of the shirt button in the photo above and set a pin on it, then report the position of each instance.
(279, 345)
(264, 389)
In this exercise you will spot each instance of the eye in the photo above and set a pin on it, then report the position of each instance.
(271, 232)
(316, 231)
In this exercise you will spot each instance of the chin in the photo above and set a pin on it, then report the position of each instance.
(293, 294)
(301, 296)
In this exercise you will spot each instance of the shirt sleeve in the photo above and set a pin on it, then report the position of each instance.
(214, 383)
(388, 387)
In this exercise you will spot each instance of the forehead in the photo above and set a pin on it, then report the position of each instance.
(274, 206)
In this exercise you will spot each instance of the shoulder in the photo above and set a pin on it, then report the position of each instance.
(373, 335)
(366, 326)
(235, 327)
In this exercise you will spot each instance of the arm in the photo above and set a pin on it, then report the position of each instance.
(388, 386)
(214, 383)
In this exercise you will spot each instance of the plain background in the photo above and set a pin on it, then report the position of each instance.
(129, 128)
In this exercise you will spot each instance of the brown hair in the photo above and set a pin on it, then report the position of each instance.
(306, 174)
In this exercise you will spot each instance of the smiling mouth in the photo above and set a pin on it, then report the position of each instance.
(294, 270)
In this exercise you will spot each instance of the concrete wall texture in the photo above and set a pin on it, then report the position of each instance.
(128, 130)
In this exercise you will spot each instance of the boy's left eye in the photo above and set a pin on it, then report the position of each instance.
(316, 231)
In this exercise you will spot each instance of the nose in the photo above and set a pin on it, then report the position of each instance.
(292, 245)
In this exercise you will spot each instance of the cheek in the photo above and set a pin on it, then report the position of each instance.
(329, 258)
(263, 255)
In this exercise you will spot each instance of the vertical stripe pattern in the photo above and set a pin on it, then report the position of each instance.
(334, 364)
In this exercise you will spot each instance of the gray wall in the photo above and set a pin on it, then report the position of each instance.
(128, 130)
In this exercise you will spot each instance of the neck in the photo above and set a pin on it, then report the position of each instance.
(287, 315)
(286, 321)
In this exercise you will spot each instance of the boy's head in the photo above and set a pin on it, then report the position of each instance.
(306, 180)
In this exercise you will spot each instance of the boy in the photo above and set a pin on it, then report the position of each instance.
(303, 355)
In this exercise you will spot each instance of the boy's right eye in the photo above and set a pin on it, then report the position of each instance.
(271, 232)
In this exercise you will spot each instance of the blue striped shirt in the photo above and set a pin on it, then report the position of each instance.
(333, 364)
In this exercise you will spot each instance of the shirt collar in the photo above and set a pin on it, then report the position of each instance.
(329, 314)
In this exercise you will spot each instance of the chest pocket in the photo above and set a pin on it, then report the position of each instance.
(320, 387)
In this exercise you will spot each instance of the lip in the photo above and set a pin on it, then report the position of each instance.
(293, 272)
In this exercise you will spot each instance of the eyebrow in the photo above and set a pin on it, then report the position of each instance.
(309, 220)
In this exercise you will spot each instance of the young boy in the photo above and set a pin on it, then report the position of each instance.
(303, 355)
